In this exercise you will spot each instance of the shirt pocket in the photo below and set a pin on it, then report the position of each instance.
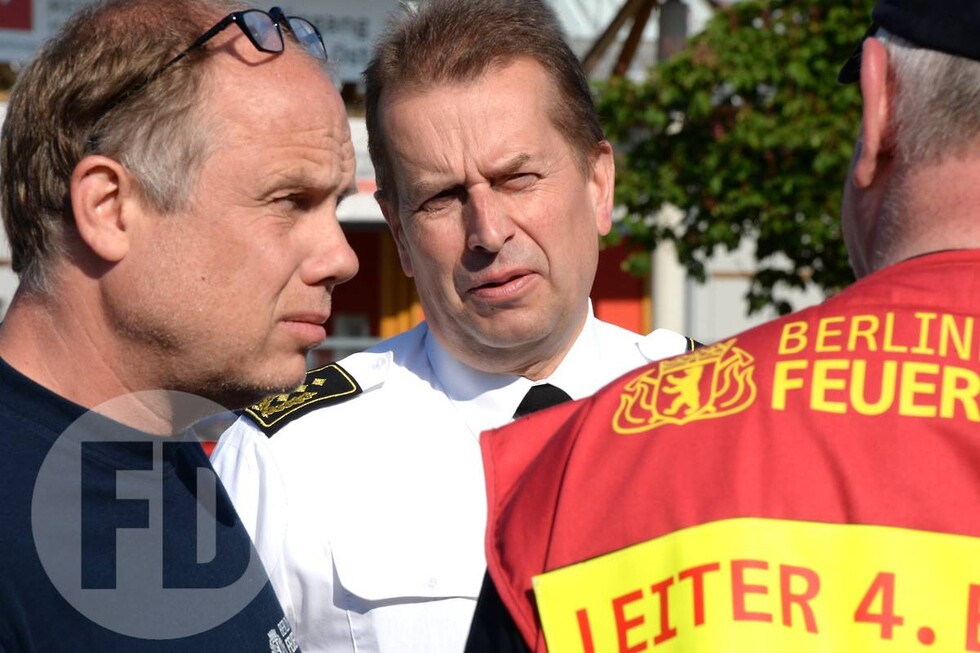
(416, 554)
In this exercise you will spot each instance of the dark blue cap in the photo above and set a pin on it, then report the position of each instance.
(950, 26)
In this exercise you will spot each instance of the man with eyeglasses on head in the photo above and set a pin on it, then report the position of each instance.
(170, 177)
(365, 485)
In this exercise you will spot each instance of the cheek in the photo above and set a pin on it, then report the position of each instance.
(431, 254)
(405, 258)
(258, 259)
(436, 278)
(573, 253)
(581, 237)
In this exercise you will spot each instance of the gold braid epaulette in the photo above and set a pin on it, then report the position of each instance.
(324, 386)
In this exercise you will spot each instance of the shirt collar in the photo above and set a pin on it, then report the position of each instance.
(489, 400)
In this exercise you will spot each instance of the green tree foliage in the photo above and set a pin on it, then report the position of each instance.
(748, 132)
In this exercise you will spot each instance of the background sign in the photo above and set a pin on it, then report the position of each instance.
(349, 28)
(15, 14)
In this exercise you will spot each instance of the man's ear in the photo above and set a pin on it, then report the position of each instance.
(99, 188)
(389, 210)
(602, 184)
(876, 92)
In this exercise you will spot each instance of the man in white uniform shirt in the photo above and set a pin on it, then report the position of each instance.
(364, 489)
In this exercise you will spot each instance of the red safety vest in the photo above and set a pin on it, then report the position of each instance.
(810, 485)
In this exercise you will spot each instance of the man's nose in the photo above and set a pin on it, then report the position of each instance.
(332, 260)
(488, 225)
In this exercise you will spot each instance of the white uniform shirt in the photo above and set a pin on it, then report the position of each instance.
(370, 514)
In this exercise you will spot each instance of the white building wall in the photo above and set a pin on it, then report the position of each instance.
(8, 280)
(717, 309)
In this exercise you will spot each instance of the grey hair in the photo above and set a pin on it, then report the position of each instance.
(935, 112)
(934, 118)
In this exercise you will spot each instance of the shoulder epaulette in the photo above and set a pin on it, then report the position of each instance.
(324, 386)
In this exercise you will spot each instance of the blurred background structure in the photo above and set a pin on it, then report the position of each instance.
(676, 80)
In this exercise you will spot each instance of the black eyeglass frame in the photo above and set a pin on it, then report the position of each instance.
(278, 19)
(276, 16)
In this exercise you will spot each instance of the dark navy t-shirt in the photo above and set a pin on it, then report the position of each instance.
(115, 540)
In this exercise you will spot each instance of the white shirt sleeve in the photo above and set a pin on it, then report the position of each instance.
(247, 467)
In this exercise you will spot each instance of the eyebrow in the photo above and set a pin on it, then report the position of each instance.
(298, 177)
(423, 189)
(512, 166)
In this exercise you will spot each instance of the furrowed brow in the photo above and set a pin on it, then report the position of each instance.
(513, 165)
(295, 179)
(423, 189)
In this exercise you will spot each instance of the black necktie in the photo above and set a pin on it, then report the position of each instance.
(540, 397)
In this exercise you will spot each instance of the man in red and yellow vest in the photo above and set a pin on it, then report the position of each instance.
(812, 484)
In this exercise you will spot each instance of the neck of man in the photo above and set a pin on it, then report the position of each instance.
(535, 360)
(933, 208)
(57, 340)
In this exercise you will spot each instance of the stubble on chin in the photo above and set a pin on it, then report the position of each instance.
(235, 394)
